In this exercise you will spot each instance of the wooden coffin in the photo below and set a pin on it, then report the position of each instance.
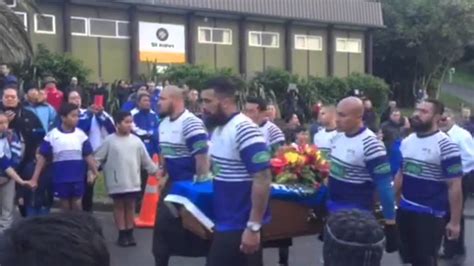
(288, 220)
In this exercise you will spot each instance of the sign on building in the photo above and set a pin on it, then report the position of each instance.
(162, 43)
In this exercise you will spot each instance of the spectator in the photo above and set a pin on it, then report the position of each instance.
(194, 106)
(36, 102)
(392, 105)
(54, 96)
(123, 156)
(24, 124)
(301, 138)
(132, 99)
(314, 127)
(370, 117)
(274, 115)
(292, 123)
(467, 120)
(73, 86)
(97, 124)
(154, 95)
(69, 149)
(6, 78)
(393, 129)
(39, 201)
(145, 126)
(293, 104)
(8, 176)
(353, 238)
(99, 89)
(73, 239)
(122, 92)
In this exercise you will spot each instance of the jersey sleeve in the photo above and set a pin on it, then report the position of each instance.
(195, 135)
(5, 163)
(276, 136)
(450, 159)
(46, 149)
(376, 161)
(252, 147)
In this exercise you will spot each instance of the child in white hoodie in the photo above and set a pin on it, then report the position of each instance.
(122, 156)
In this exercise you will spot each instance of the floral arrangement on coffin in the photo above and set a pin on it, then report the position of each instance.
(302, 166)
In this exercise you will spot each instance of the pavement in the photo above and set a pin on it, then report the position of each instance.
(306, 251)
(467, 94)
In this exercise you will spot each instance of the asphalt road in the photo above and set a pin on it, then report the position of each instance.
(306, 251)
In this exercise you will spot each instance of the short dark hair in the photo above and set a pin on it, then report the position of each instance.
(140, 96)
(66, 109)
(262, 104)
(120, 116)
(72, 238)
(438, 107)
(353, 238)
(300, 129)
(223, 87)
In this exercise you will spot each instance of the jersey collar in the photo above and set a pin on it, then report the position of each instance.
(357, 133)
(60, 128)
(427, 135)
(171, 120)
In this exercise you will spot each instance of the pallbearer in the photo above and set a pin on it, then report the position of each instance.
(240, 159)
(183, 144)
(359, 167)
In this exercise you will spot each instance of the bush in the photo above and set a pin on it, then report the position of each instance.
(60, 66)
(373, 88)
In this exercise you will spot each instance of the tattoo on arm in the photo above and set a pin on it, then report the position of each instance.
(261, 188)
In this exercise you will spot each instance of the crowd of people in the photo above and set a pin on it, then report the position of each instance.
(54, 143)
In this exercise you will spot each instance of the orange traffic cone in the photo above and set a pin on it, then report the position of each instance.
(147, 216)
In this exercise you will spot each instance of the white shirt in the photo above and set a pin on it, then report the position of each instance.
(323, 139)
(465, 141)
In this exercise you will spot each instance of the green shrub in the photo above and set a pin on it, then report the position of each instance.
(374, 88)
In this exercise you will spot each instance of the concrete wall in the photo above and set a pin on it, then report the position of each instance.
(54, 42)
(348, 63)
(309, 62)
(217, 55)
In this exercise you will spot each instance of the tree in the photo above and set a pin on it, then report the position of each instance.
(422, 40)
(15, 45)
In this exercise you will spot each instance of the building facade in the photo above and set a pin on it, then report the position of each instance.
(122, 39)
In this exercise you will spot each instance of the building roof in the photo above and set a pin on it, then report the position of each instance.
(367, 13)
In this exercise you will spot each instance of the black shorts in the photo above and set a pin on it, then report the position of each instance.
(126, 195)
(420, 236)
(225, 250)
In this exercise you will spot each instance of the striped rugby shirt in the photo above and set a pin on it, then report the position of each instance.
(322, 139)
(67, 150)
(428, 162)
(238, 150)
(357, 162)
(273, 135)
(180, 140)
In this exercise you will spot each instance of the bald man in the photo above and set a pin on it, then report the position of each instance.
(183, 144)
(358, 165)
(323, 138)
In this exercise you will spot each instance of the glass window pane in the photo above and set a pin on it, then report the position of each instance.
(78, 26)
(269, 39)
(340, 45)
(314, 43)
(218, 36)
(22, 17)
(204, 35)
(300, 42)
(102, 27)
(353, 46)
(123, 29)
(11, 3)
(44, 23)
(255, 39)
(227, 36)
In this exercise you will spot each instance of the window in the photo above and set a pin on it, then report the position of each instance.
(10, 3)
(264, 39)
(108, 28)
(45, 24)
(346, 45)
(23, 17)
(308, 42)
(215, 35)
(79, 26)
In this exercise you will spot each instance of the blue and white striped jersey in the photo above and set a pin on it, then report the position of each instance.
(272, 134)
(180, 139)
(323, 139)
(238, 150)
(67, 150)
(357, 162)
(428, 162)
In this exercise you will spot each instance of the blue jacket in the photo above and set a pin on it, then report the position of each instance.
(128, 106)
(146, 128)
(155, 99)
(10, 151)
(45, 112)
(395, 156)
(103, 118)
